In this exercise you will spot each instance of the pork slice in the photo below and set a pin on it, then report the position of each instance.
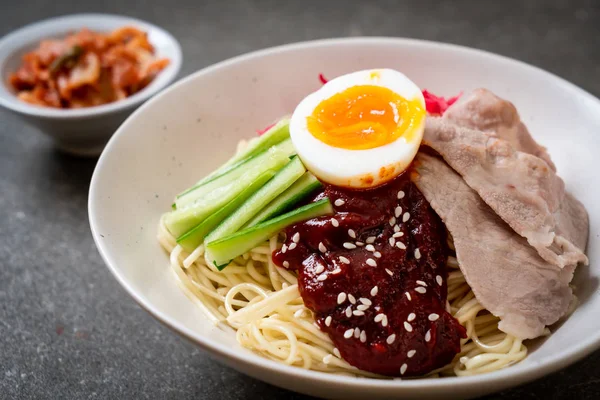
(482, 110)
(506, 275)
(521, 188)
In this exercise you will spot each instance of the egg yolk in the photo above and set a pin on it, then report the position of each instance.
(364, 117)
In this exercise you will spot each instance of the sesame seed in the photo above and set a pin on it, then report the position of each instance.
(401, 245)
(321, 277)
(377, 308)
(390, 339)
(392, 221)
(356, 332)
(358, 313)
(336, 352)
(384, 321)
(417, 254)
(439, 280)
(296, 237)
(292, 246)
(403, 369)
(344, 260)
(377, 254)
(341, 298)
(378, 317)
(327, 359)
(421, 290)
(348, 333)
(286, 264)
(351, 233)
(336, 271)
(433, 317)
(408, 296)
(320, 268)
(335, 222)
(363, 336)
(392, 241)
(283, 249)
(362, 307)
(371, 239)
(328, 320)
(398, 212)
(405, 217)
(348, 311)
(360, 243)
(371, 262)
(400, 194)
(397, 235)
(396, 228)
(365, 301)
(299, 313)
(374, 291)
(322, 247)
(407, 326)
(352, 299)
(428, 336)
(411, 353)
(390, 273)
(349, 245)
(370, 247)
(339, 202)
(411, 317)
(421, 283)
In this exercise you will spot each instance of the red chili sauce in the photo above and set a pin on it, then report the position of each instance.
(374, 274)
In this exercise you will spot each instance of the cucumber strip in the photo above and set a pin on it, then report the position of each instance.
(191, 239)
(222, 251)
(278, 133)
(283, 150)
(280, 182)
(183, 219)
(299, 190)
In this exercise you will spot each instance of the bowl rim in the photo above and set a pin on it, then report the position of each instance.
(56, 24)
(516, 374)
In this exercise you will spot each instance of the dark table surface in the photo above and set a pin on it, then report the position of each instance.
(68, 331)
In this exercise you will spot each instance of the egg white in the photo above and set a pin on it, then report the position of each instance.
(356, 168)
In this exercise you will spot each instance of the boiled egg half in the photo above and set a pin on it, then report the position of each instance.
(360, 130)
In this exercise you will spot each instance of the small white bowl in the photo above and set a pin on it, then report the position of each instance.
(83, 131)
(191, 128)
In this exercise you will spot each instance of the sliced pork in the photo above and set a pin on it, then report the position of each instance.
(482, 110)
(507, 276)
(521, 188)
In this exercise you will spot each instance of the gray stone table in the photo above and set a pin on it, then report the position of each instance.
(67, 329)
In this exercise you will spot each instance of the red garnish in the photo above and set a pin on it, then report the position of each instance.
(261, 131)
(323, 79)
(437, 105)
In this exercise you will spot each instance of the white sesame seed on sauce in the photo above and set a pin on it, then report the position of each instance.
(356, 332)
(360, 244)
(358, 313)
(411, 353)
(320, 268)
(421, 290)
(352, 299)
(428, 336)
(377, 308)
(392, 221)
(336, 352)
(292, 246)
(411, 317)
(408, 296)
(286, 264)
(351, 233)
(396, 228)
(421, 283)
(377, 254)
(365, 301)
(371, 239)
(327, 359)
(406, 217)
(363, 336)
(439, 280)
(397, 235)
(341, 297)
(283, 249)
(370, 248)
(390, 339)
(348, 334)
(335, 222)
(349, 245)
(378, 317)
(336, 271)
(299, 313)
(407, 326)
(321, 277)
(348, 311)
(400, 195)
(398, 212)
(390, 273)
(296, 237)
(374, 291)
(401, 245)
(370, 262)
(339, 202)
(433, 317)
(322, 248)
(344, 260)
(328, 320)
(384, 321)
(392, 241)
(417, 254)
(362, 307)
(403, 369)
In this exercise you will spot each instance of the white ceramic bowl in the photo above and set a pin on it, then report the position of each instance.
(191, 128)
(82, 131)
